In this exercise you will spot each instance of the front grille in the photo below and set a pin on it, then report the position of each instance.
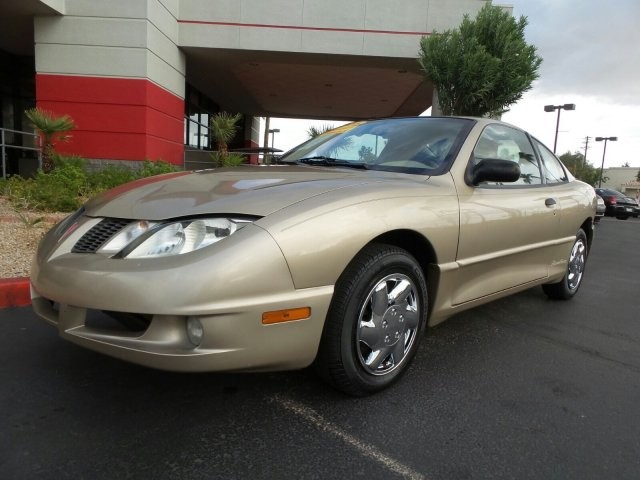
(91, 241)
(117, 321)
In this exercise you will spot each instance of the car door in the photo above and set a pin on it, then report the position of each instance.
(570, 206)
(507, 231)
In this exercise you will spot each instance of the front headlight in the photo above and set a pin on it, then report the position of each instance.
(152, 239)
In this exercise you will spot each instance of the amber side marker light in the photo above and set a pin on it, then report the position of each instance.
(288, 315)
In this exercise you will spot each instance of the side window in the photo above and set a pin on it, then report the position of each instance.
(506, 143)
(551, 166)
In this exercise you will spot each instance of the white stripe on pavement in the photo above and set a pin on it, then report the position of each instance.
(372, 452)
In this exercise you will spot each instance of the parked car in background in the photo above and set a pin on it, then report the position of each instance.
(618, 205)
(340, 256)
(636, 208)
(601, 208)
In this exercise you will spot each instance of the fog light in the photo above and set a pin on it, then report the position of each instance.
(195, 332)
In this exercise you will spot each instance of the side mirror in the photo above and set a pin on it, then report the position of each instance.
(493, 170)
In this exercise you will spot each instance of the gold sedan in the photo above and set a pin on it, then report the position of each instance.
(340, 255)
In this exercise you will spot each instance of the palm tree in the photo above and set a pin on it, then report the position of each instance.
(51, 129)
(223, 129)
(314, 131)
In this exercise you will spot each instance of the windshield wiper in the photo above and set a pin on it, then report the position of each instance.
(331, 162)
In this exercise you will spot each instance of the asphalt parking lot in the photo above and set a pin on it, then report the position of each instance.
(523, 388)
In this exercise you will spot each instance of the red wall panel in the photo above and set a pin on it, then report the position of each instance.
(116, 118)
(161, 125)
(161, 100)
(161, 149)
(103, 117)
(106, 145)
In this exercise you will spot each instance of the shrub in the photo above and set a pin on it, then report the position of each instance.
(69, 185)
(61, 190)
(149, 168)
(18, 190)
(108, 177)
(228, 160)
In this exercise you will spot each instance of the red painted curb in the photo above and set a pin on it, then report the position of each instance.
(15, 292)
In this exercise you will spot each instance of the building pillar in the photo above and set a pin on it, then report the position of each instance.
(115, 68)
(252, 137)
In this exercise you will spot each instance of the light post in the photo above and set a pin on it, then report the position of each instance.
(605, 139)
(551, 108)
(273, 132)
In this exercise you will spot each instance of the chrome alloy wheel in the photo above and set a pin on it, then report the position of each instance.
(577, 261)
(387, 324)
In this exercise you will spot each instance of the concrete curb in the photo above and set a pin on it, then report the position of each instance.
(15, 292)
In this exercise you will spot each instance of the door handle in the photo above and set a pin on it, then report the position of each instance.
(550, 202)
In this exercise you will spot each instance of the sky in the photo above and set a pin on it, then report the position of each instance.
(591, 58)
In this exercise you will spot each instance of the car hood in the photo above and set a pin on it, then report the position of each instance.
(247, 190)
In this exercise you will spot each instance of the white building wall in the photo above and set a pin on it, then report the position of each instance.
(352, 27)
(118, 38)
(57, 5)
(444, 15)
(620, 178)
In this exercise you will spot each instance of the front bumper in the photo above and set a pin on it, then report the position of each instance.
(621, 211)
(233, 340)
(227, 287)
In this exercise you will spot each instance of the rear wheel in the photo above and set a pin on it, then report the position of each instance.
(568, 286)
(375, 321)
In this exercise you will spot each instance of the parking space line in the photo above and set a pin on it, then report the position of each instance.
(372, 452)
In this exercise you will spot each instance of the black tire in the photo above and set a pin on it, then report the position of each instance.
(570, 283)
(383, 278)
(622, 217)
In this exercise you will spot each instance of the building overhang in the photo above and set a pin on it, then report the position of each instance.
(16, 23)
(290, 84)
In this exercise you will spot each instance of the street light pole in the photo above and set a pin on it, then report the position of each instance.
(273, 132)
(604, 152)
(551, 108)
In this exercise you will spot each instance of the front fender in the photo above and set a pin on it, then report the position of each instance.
(319, 239)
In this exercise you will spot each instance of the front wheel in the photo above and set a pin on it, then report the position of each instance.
(375, 321)
(568, 286)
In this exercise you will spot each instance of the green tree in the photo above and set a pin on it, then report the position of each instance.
(638, 176)
(223, 129)
(482, 67)
(581, 170)
(51, 129)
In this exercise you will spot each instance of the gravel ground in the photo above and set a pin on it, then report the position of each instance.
(20, 232)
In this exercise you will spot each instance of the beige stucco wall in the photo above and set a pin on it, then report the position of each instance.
(349, 27)
(143, 38)
(620, 178)
(118, 38)
(57, 5)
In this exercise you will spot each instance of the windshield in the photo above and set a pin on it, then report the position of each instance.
(423, 145)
